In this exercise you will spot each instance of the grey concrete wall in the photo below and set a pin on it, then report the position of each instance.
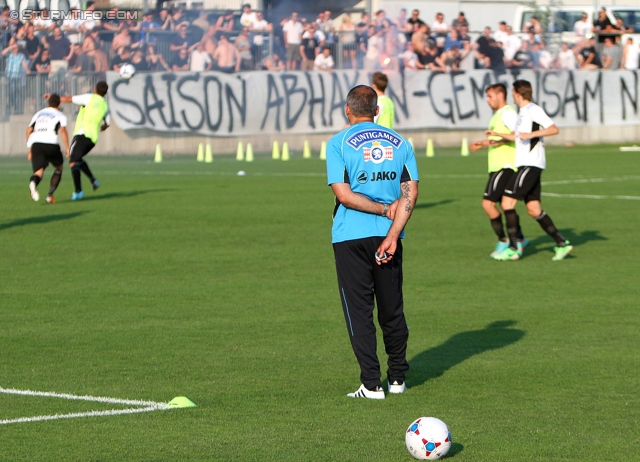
(143, 142)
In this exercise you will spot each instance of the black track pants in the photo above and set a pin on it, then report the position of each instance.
(360, 281)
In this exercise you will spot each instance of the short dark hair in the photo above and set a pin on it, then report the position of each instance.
(362, 101)
(54, 100)
(102, 88)
(380, 80)
(499, 87)
(523, 88)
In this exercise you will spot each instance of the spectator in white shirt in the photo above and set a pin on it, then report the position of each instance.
(248, 18)
(439, 30)
(324, 60)
(566, 59)
(292, 30)
(582, 28)
(542, 54)
(510, 43)
(260, 27)
(501, 34)
(200, 60)
(410, 58)
(630, 55)
(439, 26)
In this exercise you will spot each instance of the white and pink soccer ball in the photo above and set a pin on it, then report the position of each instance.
(127, 71)
(428, 438)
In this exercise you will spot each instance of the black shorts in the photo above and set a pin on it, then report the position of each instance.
(44, 153)
(496, 184)
(525, 184)
(80, 147)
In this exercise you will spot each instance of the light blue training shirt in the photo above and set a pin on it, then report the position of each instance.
(373, 160)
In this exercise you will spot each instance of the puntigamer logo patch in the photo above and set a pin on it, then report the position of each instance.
(377, 153)
(366, 136)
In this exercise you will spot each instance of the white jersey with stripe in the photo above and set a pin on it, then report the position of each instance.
(531, 152)
(46, 124)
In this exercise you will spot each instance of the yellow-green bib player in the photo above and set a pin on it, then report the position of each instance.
(386, 112)
(93, 117)
(503, 155)
(90, 116)
(386, 109)
(501, 160)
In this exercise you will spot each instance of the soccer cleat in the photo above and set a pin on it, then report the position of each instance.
(500, 247)
(95, 184)
(562, 252)
(34, 194)
(397, 387)
(362, 392)
(508, 254)
(76, 196)
(521, 245)
(50, 200)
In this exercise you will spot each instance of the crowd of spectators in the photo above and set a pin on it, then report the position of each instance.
(234, 41)
(82, 44)
(596, 46)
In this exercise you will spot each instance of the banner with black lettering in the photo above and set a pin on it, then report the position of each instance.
(250, 103)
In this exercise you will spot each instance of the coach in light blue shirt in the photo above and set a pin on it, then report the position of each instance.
(373, 173)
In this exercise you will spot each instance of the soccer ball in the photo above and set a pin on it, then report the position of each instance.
(127, 71)
(428, 438)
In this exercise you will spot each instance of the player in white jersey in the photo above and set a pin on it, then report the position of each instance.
(533, 124)
(42, 142)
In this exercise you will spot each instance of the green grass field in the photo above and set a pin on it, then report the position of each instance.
(183, 279)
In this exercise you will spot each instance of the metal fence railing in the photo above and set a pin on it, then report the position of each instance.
(25, 94)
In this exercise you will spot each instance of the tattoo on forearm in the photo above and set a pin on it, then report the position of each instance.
(406, 193)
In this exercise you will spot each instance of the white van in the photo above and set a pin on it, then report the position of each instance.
(562, 18)
(629, 14)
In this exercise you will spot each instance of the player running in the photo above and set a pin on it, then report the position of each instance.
(533, 124)
(502, 160)
(42, 142)
(93, 118)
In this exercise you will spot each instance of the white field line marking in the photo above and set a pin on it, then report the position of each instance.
(41, 418)
(300, 174)
(590, 180)
(591, 196)
(216, 173)
(142, 406)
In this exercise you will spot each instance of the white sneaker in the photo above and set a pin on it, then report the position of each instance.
(362, 392)
(34, 194)
(397, 387)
